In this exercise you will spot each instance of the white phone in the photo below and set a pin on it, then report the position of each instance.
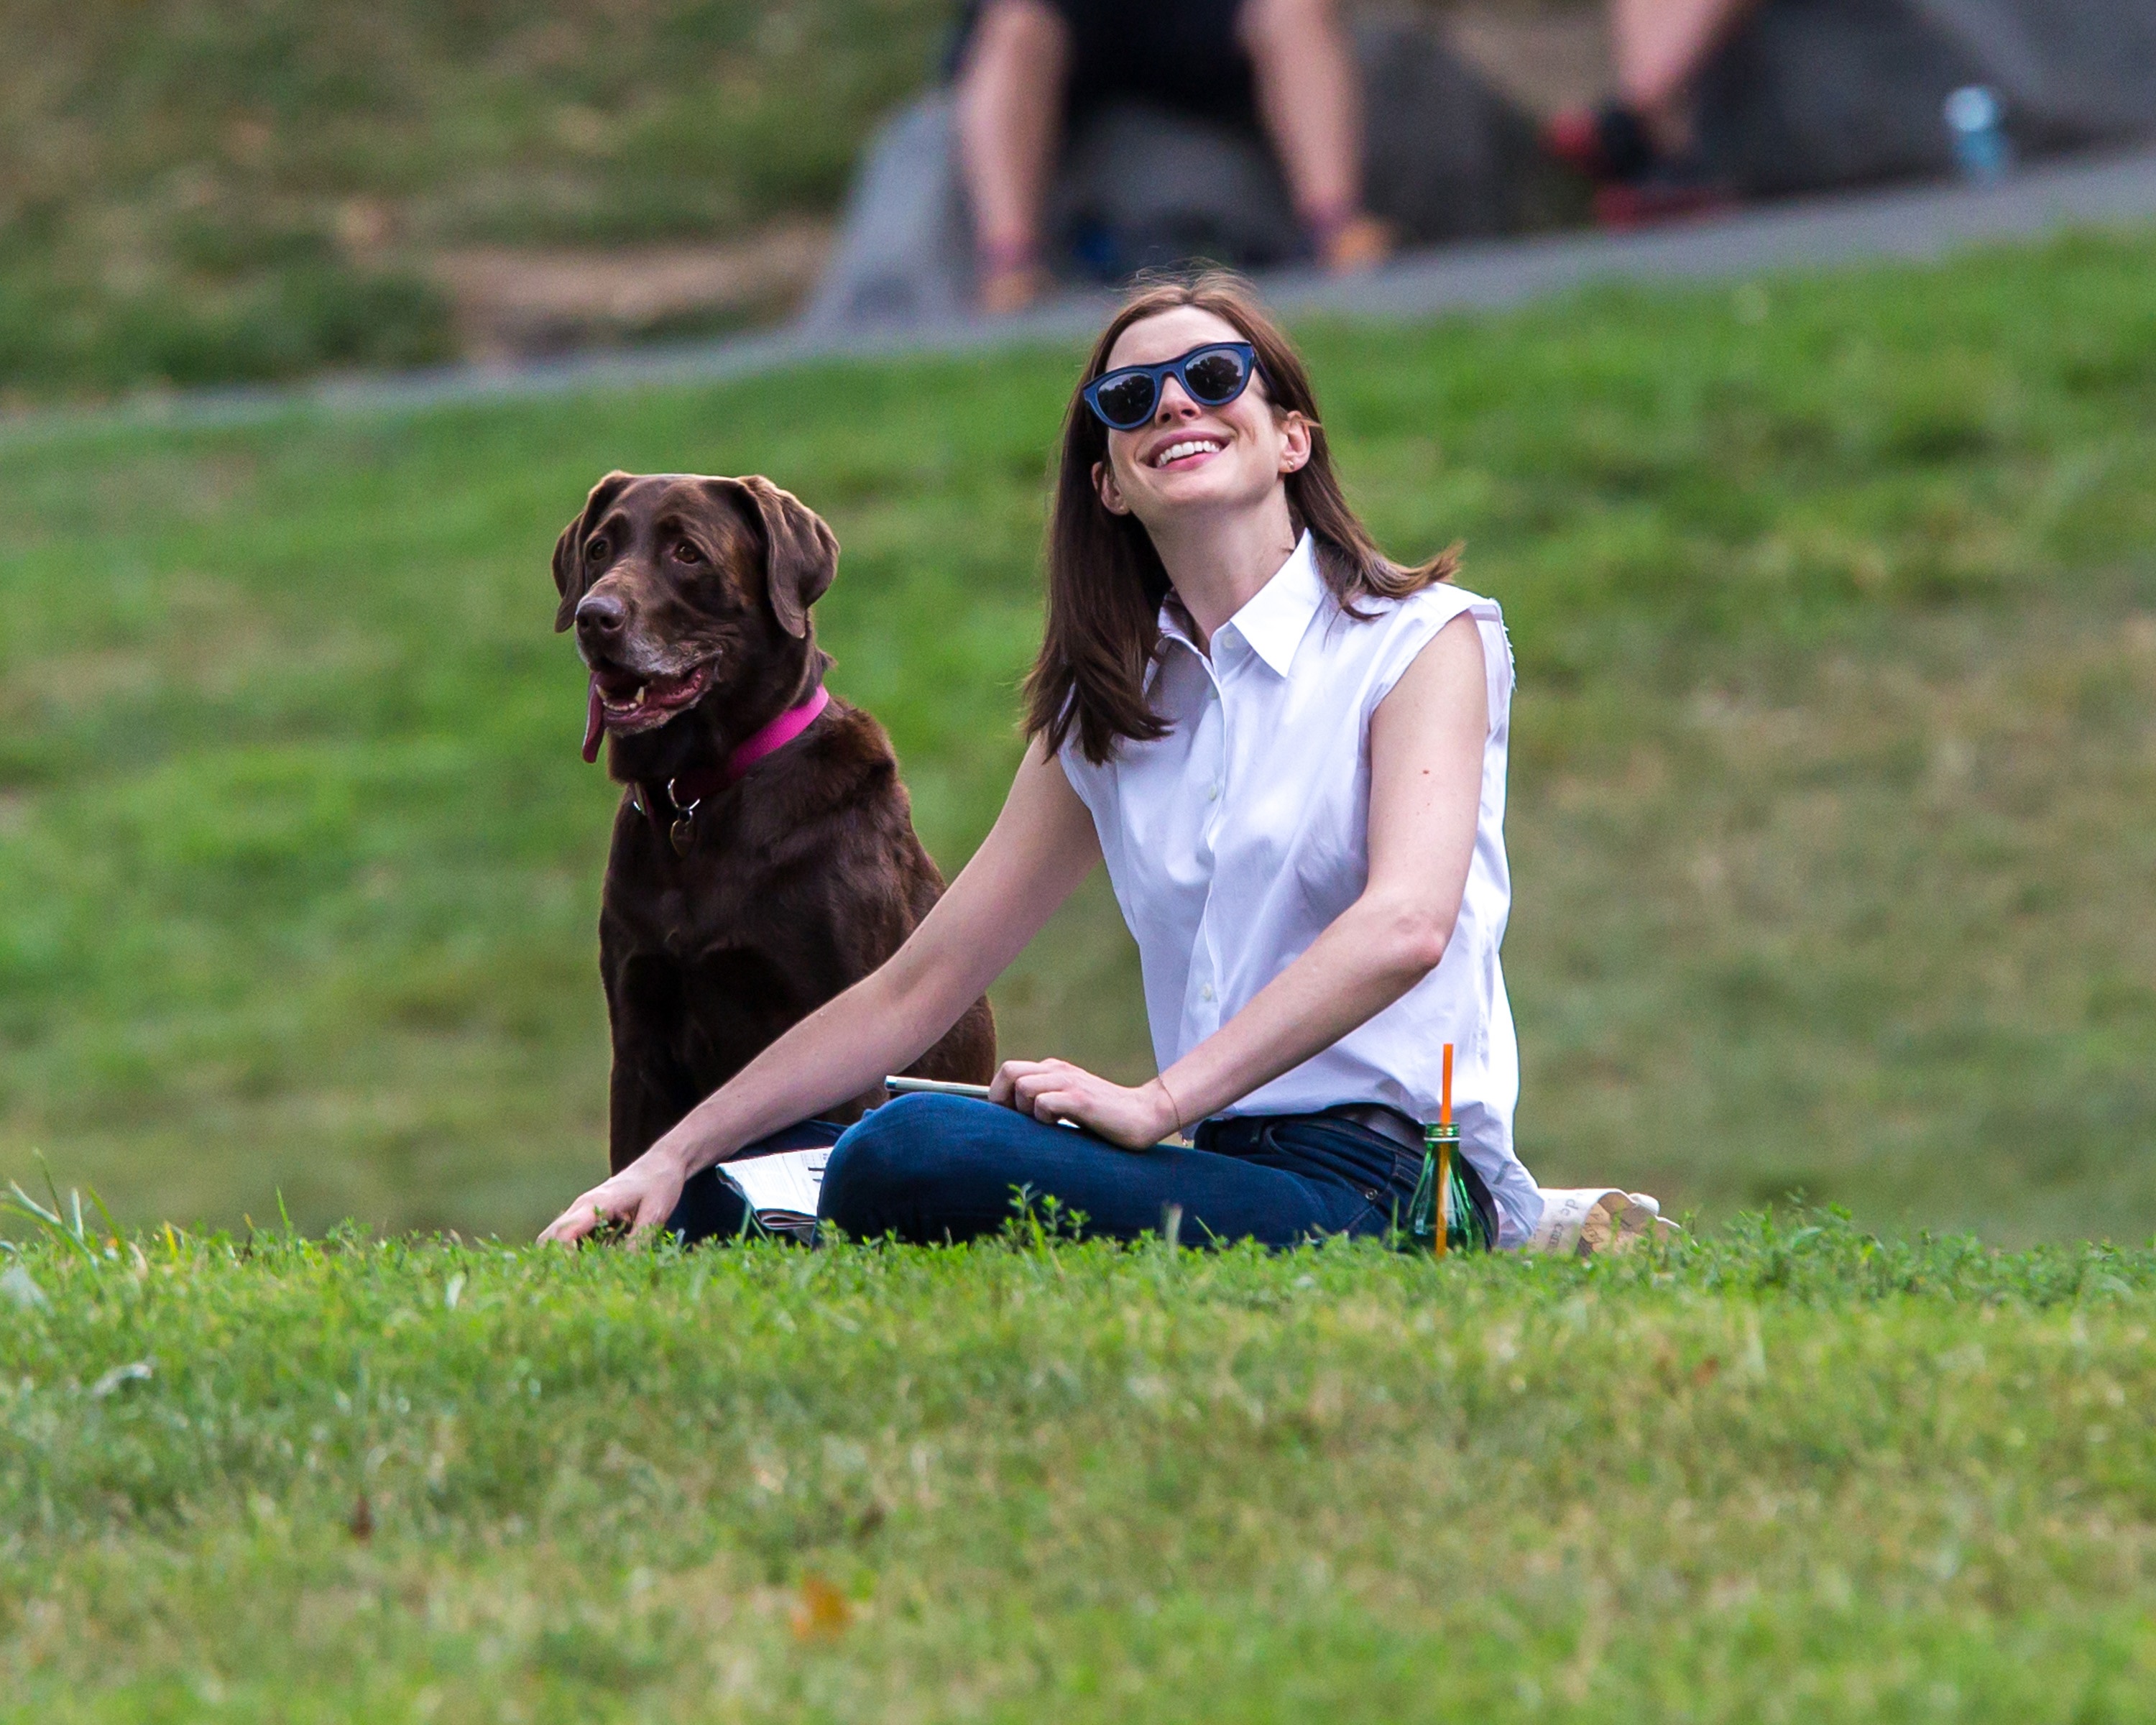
(935, 1086)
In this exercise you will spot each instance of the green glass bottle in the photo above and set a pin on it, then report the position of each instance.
(1434, 1226)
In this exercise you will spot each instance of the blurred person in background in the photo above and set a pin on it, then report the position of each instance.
(1640, 147)
(1025, 65)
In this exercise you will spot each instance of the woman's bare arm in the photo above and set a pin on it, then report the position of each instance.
(1042, 845)
(1426, 743)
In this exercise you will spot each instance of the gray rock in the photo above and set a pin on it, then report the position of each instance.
(1813, 93)
(904, 251)
(1445, 156)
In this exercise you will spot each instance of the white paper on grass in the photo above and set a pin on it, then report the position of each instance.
(1581, 1221)
(785, 1182)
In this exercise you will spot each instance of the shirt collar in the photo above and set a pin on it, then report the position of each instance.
(1274, 619)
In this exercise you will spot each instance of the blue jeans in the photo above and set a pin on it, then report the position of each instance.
(929, 1169)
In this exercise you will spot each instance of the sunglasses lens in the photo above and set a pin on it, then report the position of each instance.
(1215, 377)
(1127, 401)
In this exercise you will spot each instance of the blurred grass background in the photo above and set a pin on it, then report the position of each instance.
(1834, 603)
(193, 192)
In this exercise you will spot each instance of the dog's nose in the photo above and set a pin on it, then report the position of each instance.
(600, 616)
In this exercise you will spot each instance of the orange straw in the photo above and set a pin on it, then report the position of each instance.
(1444, 1159)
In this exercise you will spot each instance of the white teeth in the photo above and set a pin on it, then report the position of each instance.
(1176, 452)
(677, 690)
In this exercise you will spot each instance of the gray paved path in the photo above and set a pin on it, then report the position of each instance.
(1910, 222)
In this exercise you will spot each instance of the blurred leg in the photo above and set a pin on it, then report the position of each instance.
(1659, 47)
(1010, 103)
(1311, 100)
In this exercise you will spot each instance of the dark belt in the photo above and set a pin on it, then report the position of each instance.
(1385, 1122)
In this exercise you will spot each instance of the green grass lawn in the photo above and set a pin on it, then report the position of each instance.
(1833, 788)
(1776, 1475)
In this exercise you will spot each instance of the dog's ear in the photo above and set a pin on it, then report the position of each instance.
(569, 549)
(800, 553)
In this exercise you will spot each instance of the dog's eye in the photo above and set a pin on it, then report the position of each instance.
(685, 553)
(597, 549)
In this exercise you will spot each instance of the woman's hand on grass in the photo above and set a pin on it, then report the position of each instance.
(638, 1198)
(1050, 1090)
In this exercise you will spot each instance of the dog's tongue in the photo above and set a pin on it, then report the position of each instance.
(594, 725)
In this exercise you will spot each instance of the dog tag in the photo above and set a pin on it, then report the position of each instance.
(683, 832)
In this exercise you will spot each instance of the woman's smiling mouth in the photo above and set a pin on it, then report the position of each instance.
(1186, 449)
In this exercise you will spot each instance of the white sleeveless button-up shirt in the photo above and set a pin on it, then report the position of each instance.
(1235, 839)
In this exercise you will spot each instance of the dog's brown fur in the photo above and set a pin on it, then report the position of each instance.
(803, 877)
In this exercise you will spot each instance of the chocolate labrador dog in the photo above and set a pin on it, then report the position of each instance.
(764, 856)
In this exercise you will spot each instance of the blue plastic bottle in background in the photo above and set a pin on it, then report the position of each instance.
(1975, 117)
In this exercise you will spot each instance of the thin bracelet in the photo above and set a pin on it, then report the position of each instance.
(1172, 1102)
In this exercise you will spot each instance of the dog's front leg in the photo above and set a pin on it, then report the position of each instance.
(648, 1091)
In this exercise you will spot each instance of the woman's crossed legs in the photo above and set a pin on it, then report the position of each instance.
(930, 1168)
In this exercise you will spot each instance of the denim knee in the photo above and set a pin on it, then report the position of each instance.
(876, 1170)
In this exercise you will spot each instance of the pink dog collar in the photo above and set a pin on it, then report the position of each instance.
(775, 735)
(685, 794)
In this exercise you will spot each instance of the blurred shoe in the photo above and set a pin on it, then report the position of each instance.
(1604, 144)
(1355, 243)
(1011, 278)
(1004, 292)
(1637, 184)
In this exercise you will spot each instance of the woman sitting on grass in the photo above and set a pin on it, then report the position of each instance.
(1290, 754)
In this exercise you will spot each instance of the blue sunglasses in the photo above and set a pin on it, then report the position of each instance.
(1212, 376)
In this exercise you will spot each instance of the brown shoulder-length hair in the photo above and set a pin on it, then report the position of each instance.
(1105, 582)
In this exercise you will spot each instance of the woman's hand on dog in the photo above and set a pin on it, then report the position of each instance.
(636, 1200)
(1052, 1091)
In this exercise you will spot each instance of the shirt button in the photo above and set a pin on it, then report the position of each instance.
(1213, 792)
(1206, 993)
